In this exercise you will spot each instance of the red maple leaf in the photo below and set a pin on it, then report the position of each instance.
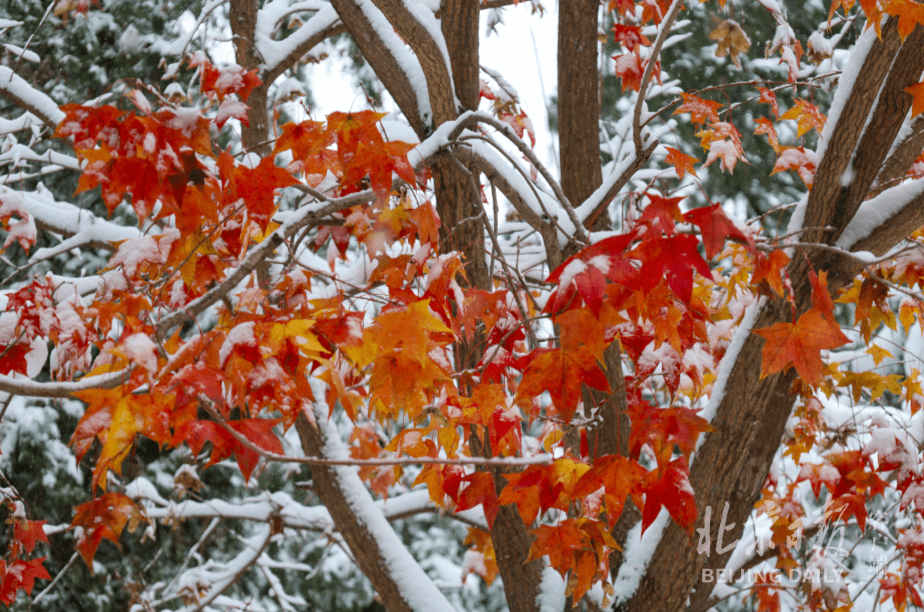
(716, 227)
(480, 490)
(28, 533)
(670, 489)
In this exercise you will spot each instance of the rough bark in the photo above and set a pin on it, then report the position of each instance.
(243, 17)
(901, 159)
(439, 81)
(882, 129)
(459, 24)
(839, 152)
(579, 100)
(734, 460)
(382, 62)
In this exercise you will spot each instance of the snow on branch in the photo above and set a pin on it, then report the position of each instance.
(879, 211)
(18, 91)
(280, 54)
(398, 567)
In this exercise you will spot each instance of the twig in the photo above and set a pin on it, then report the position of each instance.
(28, 42)
(60, 575)
(649, 69)
(269, 456)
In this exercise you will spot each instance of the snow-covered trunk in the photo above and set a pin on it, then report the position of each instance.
(398, 579)
(750, 418)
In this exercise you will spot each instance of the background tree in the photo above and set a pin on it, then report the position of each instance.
(560, 370)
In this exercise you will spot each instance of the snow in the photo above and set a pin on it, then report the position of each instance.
(289, 89)
(243, 333)
(571, 270)
(728, 362)
(231, 109)
(406, 61)
(845, 87)
(637, 554)
(144, 250)
(874, 213)
(416, 588)
(25, 54)
(274, 52)
(551, 597)
(585, 209)
(139, 349)
(19, 89)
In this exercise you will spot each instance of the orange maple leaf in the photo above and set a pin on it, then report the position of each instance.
(681, 162)
(768, 268)
(808, 116)
(800, 344)
(105, 518)
(700, 110)
(917, 91)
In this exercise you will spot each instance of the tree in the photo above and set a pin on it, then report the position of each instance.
(573, 380)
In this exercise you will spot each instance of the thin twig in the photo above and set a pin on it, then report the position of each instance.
(60, 575)
(649, 69)
(207, 405)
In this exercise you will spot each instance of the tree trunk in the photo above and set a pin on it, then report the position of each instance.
(733, 462)
(243, 17)
(579, 100)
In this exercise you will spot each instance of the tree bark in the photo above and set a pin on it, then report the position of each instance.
(459, 24)
(734, 460)
(243, 17)
(579, 100)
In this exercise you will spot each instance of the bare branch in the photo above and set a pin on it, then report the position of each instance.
(663, 33)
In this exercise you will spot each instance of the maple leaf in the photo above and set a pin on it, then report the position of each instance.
(767, 594)
(630, 36)
(716, 227)
(728, 151)
(670, 489)
(20, 575)
(732, 41)
(767, 96)
(769, 268)
(661, 213)
(909, 13)
(257, 186)
(807, 115)
(700, 110)
(561, 373)
(798, 159)
(664, 428)
(619, 477)
(480, 491)
(674, 258)
(917, 91)
(220, 82)
(587, 272)
(877, 384)
(560, 542)
(28, 533)
(630, 70)
(682, 163)
(104, 518)
(799, 345)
